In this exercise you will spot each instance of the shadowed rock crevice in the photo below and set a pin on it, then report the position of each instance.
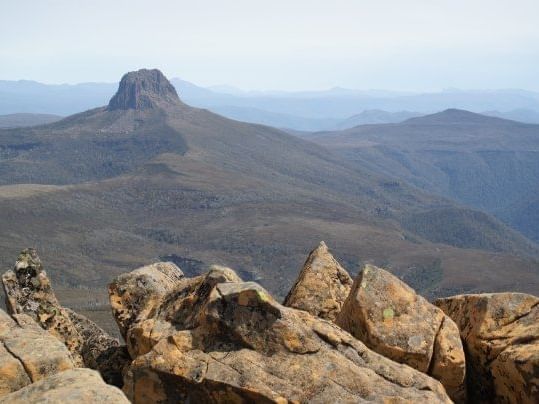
(500, 332)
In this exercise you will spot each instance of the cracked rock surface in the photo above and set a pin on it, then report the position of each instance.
(70, 386)
(28, 353)
(391, 319)
(501, 335)
(214, 338)
(28, 291)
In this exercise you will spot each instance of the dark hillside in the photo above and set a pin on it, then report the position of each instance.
(113, 188)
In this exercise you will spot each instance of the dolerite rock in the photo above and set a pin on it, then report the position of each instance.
(99, 350)
(75, 386)
(501, 335)
(144, 89)
(390, 318)
(322, 286)
(28, 353)
(136, 294)
(216, 339)
(169, 295)
(28, 291)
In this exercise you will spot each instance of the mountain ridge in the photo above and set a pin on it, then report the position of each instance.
(484, 162)
(133, 185)
(312, 111)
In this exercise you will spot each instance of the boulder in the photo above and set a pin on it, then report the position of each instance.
(28, 353)
(214, 339)
(12, 373)
(72, 386)
(501, 335)
(390, 318)
(136, 294)
(184, 296)
(28, 291)
(322, 286)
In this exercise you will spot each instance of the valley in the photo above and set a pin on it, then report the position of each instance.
(150, 178)
(484, 162)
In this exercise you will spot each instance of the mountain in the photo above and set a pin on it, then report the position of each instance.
(376, 116)
(26, 119)
(58, 99)
(331, 109)
(521, 115)
(278, 120)
(488, 163)
(148, 177)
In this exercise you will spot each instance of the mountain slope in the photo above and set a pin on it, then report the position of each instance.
(485, 162)
(148, 177)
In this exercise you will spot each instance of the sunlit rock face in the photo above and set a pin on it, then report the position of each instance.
(390, 318)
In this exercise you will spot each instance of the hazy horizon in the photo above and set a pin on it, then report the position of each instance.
(220, 87)
(308, 45)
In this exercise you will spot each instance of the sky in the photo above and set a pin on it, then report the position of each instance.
(417, 45)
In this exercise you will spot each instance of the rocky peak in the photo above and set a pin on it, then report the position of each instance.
(322, 286)
(144, 89)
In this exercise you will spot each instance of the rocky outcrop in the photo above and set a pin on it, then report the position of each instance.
(136, 294)
(152, 319)
(322, 286)
(390, 318)
(214, 338)
(28, 353)
(144, 89)
(99, 350)
(217, 339)
(75, 386)
(501, 335)
(28, 291)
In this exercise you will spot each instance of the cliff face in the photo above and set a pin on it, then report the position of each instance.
(144, 89)
(215, 338)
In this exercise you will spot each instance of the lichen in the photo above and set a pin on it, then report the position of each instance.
(388, 313)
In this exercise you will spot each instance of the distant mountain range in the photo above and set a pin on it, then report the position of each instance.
(485, 162)
(26, 119)
(332, 109)
(148, 177)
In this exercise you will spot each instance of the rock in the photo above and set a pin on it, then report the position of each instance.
(448, 361)
(390, 318)
(28, 291)
(322, 286)
(143, 89)
(216, 339)
(72, 386)
(99, 350)
(136, 294)
(164, 300)
(12, 373)
(28, 353)
(501, 335)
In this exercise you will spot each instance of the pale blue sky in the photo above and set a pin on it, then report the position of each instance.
(277, 44)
